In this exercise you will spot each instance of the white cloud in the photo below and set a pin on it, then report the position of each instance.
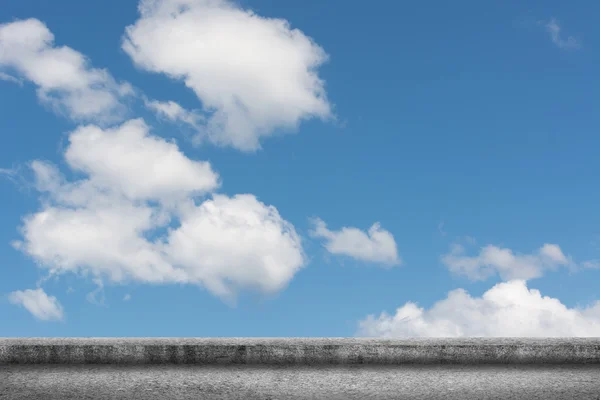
(102, 225)
(553, 28)
(377, 245)
(172, 111)
(236, 242)
(591, 264)
(38, 303)
(140, 166)
(104, 239)
(509, 266)
(509, 309)
(224, 244)
(127, 297)
(253, 75)
(91, 296)
(64, 78)
(7, 171)
(9, 78)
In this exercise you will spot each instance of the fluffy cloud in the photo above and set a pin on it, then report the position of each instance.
(104, 239)
(509, 266)
(508, 309)
(253, 75)
(553, 28)
(140, 166)
(224, 244)
(377, 245)
(63, 76)
(102, 225)
(125, 162)
(38, 303)
(237, 240)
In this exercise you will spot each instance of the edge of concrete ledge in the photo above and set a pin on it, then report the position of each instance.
(299, 351)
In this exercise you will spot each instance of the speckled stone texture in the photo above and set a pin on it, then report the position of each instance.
(298, 351)
(254, 382)
(298, 368)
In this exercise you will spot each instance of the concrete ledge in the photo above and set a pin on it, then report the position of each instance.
(299, 351)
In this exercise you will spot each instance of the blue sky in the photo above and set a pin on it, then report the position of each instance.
(259, 168)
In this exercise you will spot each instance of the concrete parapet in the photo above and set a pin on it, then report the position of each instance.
(298, 351)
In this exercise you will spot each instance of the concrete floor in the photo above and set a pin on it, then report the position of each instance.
(54, 382)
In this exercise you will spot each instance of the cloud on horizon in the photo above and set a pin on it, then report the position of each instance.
(509, 309)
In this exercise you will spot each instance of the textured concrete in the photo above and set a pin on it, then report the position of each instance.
(246, 368)
(408, 382)
(299, 351)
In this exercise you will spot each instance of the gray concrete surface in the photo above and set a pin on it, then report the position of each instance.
(299, 368)
(153, 382)
(298, 351)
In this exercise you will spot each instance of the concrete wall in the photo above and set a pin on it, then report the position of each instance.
(298, 351)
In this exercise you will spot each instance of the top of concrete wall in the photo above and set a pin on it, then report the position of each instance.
(299, 351)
